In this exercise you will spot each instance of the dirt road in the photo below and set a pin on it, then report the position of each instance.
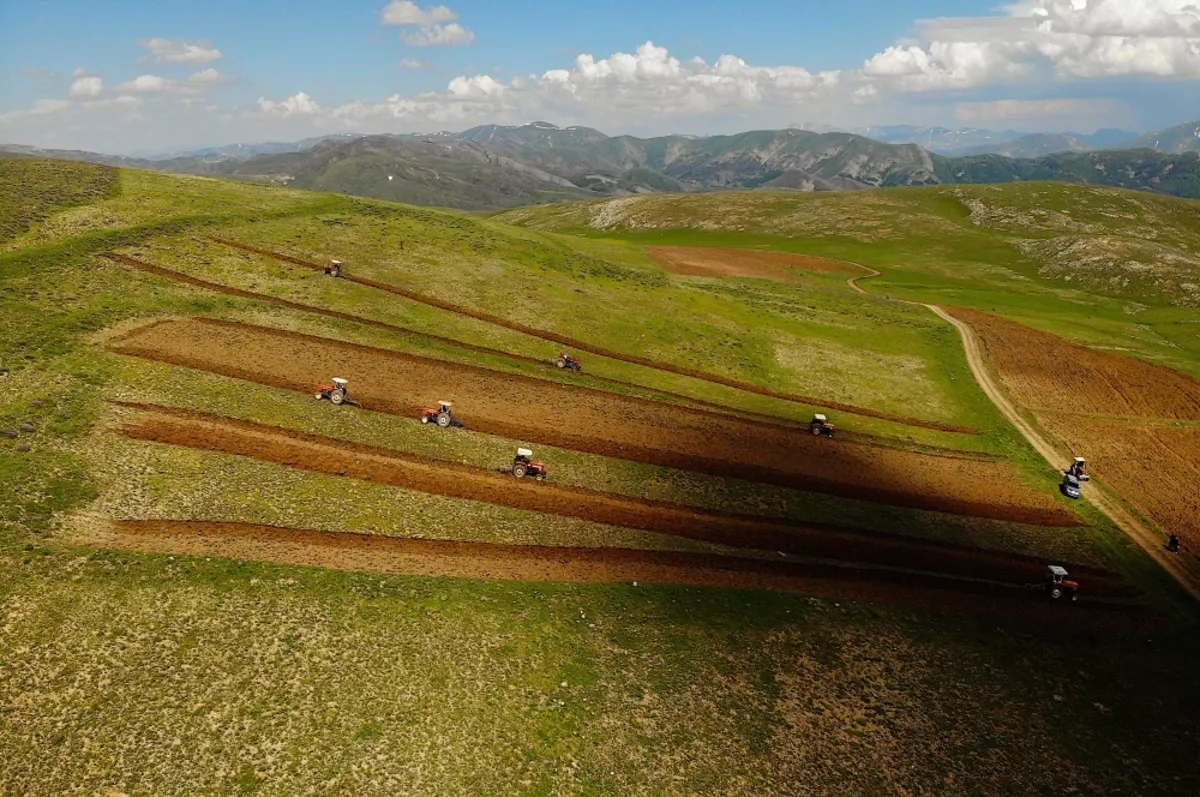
(1147, 538)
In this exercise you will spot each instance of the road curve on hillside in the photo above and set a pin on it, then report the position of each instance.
(1149, 540)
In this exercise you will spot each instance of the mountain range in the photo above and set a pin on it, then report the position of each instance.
(497, 166)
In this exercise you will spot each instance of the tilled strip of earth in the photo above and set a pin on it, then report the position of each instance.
(599, 422)
(187, 279)
(384, 466)
(440, 558)
(592, 348)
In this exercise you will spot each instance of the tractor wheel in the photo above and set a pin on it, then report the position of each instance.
(519, 470)
(1056, 592)
(815, 429)
(337, 396)
(424, 419)
(540, 477)
(561, 363)
(1074, 596)
(443, 421)
(319, 395)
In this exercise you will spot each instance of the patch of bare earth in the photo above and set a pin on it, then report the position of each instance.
(702, 261)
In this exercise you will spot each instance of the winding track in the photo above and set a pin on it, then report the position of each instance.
(1149, 540)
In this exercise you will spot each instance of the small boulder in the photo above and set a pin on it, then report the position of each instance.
(8, 432)
(26, 426)
(37, 402)
(24, 447)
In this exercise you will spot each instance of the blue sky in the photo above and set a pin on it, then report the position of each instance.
(128, 75)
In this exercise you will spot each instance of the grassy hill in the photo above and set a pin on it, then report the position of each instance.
(183, 615)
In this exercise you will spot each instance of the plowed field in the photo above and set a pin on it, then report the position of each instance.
(1156, 468)
(592, 348)
(704, 261)
(374, 554)
(384, 466)
(598, 422)
(1043, 371)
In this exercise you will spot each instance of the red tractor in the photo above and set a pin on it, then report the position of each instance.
(819, 426)
(1078, 469)
(1058, 586)
(334, 268)
(523, 466)
(442, 416)
(335, 392)
(567, 361)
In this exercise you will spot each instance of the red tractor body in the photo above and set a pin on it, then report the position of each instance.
(523, 465)
(441, 415)
(335, 391)
(820, 426)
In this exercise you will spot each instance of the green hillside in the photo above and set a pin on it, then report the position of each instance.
(179, 617)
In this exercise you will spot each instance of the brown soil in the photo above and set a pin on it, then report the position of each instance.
(702, 261)
(598, 422)
(615, 355)
(187, 279)
(370, 553)
(408, 471)
(1044, 371)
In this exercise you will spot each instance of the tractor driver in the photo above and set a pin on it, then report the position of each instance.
(1173, 543)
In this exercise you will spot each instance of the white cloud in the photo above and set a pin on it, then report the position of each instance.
(146, 84)
(449, 35)
(299, 104)
(208, 77)
(178, 51)
(406, 12)
(1071, 38)
(411, 63)
(1004, 110)
(40, 108)
(86, 86)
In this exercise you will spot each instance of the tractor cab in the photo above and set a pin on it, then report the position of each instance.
(567, 361)
(1058, 585)
(1070, 485)
(819, 425)
(335, 391)
(1078, 469)
(334, 268)
(442, 415)
(524, 465)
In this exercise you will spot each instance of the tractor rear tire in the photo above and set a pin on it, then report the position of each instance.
(443, 421)
(337, 396)
(561, 363)
(519, 470)
(1056, 592)
(815, 430)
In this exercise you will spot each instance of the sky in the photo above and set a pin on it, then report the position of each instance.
(161, 76)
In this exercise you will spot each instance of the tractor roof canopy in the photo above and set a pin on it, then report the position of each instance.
(524, 452)
(337, 380)
(819, 417)
(1055, 570)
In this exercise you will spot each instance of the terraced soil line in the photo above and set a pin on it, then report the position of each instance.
(573, 343)
(413, 472)
(1149, 540)
(600, 422)
(723, 409)
(438, 558)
